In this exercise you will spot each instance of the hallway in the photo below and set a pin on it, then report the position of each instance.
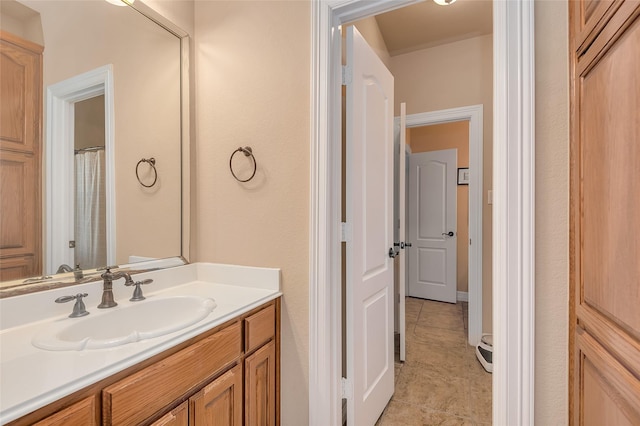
(441, 382)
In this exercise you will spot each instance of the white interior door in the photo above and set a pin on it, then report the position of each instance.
(432, 225)
(402, 263)
(369, 184)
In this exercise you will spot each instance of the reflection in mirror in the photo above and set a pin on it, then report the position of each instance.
(90, 212)
(67, 196)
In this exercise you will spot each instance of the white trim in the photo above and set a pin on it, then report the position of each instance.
(463, 296)
(513, 209)
(513, 213)
(474, 114)
(325, 346)
(59, 149)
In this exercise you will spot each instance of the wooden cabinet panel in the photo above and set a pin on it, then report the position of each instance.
(604, 204)
(260, 387)
(20, 157)
(138, 397)
(259, 328)
(609, 134)
(590, 17)
(17, 203)
(179, 416)
(611, 394)
(20, 91)
(83, 413)
(220, 402)
(15, 268)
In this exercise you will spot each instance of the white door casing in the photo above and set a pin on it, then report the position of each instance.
(474, 115)
(513, 236)
(432, 217)
(369, 199)
(402, 234)
(59, 151)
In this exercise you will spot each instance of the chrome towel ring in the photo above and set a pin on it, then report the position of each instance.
(248, 152)
(152, 162)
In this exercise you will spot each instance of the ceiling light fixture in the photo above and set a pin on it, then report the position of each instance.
(444, 2)
(125, 2)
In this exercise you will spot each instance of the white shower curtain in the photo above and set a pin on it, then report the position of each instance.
(90, 221)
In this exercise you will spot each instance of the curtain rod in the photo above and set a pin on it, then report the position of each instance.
(91, 148)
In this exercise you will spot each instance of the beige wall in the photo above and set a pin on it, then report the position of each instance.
(449, 76)
(93, 33)
(447, 136)
(253, 84)
(552, 213)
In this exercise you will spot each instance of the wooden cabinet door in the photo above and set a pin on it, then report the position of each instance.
(605, 222)
(179, 416)
(83, 413)
(20, 162)
(260, 387)
(220, 402)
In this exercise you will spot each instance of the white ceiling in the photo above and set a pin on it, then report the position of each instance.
(426, 24)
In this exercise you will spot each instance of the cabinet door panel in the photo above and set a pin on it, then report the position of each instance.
(260, 387)
(220, 402)
(20, 92)
(605, 200)
(82, 413)
(141, 395)
(179, 416)
(259, 328)
(610, 128)
(610, 393)
(20, 158)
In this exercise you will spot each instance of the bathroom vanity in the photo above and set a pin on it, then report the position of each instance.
(223, 369)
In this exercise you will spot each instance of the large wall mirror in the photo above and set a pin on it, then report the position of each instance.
(108, 171)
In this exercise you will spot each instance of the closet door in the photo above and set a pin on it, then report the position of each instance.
(20, 163)
(605, 215)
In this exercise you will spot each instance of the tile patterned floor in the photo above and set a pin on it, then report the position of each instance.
(441, 382)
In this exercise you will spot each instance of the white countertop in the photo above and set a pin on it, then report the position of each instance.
(31, 378)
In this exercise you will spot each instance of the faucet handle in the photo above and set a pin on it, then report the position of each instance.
(79, 309)
(137, 292)
(106, 268)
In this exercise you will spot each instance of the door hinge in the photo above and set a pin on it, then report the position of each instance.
(345, 232)
(347, 73)
(347, 388)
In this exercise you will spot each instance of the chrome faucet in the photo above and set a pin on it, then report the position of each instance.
(107, 288)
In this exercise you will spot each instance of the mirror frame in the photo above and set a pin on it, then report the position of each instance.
(64, 280)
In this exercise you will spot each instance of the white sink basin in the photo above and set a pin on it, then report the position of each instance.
(121, 325)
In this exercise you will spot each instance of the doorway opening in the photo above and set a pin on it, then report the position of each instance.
(60, 151)
(474, 116)
(513, 232)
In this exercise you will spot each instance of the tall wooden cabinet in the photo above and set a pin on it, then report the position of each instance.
(20, 157)
(605, 212)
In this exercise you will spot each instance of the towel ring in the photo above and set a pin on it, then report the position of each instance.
(152, 162)
(247, 153)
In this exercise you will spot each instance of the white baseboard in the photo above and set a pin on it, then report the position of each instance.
(462, 296)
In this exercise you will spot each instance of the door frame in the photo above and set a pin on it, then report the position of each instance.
(513, 208)
(474, 115)
(60, 163)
